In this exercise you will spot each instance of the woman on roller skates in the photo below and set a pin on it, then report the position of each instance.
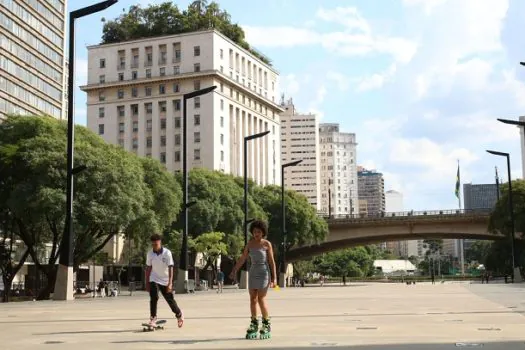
(262, 275)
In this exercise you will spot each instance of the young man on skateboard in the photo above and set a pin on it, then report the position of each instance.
(159, 276)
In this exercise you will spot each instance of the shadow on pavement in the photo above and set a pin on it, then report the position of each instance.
(92, 332)
(176, 342)
(517, 345)
(346, 314)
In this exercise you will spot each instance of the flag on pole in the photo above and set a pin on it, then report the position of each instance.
(458, 182)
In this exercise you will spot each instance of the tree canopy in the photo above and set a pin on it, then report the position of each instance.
(353, 262)
(116, 191)
(167, 19)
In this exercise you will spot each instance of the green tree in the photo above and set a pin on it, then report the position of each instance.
(353, 262)
(218, 204)
(303, 226)
(302, 268)
(166, 19)
(108, 195)
(499, 258)
(478, 251)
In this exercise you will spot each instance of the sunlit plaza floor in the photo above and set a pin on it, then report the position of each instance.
(358, 316)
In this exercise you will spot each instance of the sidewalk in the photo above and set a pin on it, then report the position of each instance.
(370, 316)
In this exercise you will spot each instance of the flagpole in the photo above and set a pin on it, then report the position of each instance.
(461, 241)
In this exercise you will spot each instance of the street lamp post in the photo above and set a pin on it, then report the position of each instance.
(244, 272)
(515, 270)
(64, 278)
(282, 277)
(182, 271)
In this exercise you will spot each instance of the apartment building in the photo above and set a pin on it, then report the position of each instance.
(338, 170)
(371, 187)
(32, 57)
(135, 92)
(300, 140)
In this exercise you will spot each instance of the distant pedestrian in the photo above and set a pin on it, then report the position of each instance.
(433, 278)
(220, 280)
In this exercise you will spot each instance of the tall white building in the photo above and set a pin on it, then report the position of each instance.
(135, 91)
(300, 140)
(393, 204)
(338, 170)
(32, 61)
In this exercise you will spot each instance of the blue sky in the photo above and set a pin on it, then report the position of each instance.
(421, 82)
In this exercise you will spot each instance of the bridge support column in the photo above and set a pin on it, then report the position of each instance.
(517, 275)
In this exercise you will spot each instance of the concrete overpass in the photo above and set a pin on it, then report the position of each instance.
(355, 230)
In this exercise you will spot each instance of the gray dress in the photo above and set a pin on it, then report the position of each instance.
(259, 275)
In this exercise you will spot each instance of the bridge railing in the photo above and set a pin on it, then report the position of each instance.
(448, 212)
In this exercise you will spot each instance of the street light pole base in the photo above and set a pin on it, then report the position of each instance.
(182, 280)
(243, 283)
(64, 284)
(517, 275)
(282, 280)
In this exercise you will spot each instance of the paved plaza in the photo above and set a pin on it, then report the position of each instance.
(359, 316)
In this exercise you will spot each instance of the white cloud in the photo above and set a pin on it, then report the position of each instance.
(342, 81)
(377, 80)
(356, 39)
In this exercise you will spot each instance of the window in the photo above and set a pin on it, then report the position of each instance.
(149, 58)
(121, 143)
(102, 63)
(101, 96)
(176, 70)
(163, 157)
(197, 137)
(197, 85)
(149, 108)
(222, 69)
(221, 52)
(197, 119)
(134, 92)
(177, 140)
(197, 154)
(135, 126)
(176, 87)
(148, 73)
(121, 77)
(197, 67)
(121, 111)
(120, 94)
(135, 143)
(162, 106)
(121, 128)
(149, 142)
(222, 105)
(102, 79)
(162, 89)
(148, 91)
(177, 122)
(176, 105)
(222, 156)
(163, 141)
(134, 109)
(177, 156)
(149, 125)
(162, 71)
(134, 75)
(163, 123)
(163, 57)
(222, 87)
(197, 102)
(101, 129)
(101, 112)
(196, 51)
(222, 139)
(222, 122)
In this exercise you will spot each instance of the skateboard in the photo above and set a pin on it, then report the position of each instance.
(160, 325)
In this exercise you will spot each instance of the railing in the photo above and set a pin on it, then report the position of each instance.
(448, 212)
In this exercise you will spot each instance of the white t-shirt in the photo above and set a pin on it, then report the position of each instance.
(160, 263)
